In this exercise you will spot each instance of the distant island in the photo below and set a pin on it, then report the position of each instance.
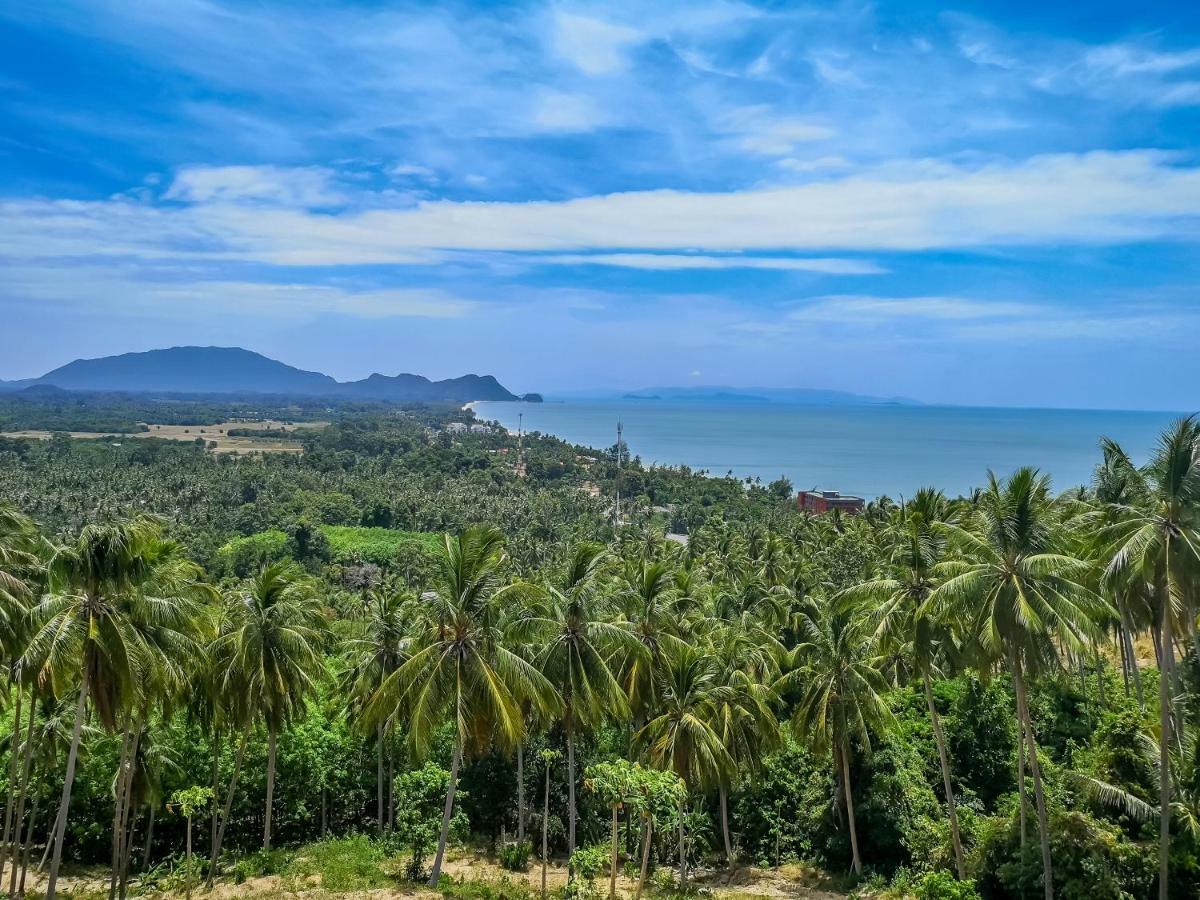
(747, 396)
(233, 370)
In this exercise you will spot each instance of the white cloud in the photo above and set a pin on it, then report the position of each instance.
(305, 187)
(674, 261)
(760, 130)
(559, 111)
(1091, 198)
(165, 291)
(856, 309)
(595, 46)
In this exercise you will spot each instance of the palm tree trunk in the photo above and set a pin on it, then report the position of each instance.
(126, 798)
(940, 738)
(216, 850)
(9, 807)
(612, 869)
(545, 831)
(520, 793)
(22, 793)
(127, 853)
(27, 852)
(725, 824)
(379, 776)
(1036, 768)
(64, 805)
(1021, 798)
(271, 747)
(215, 804)
(1134, 669)
(188, 877)
(647, 835)
(118, 796)
(1164, 752)
(150, 844)
(855, 860)
(682, 846)
(391, 788)
(436, 874)
(570, 791)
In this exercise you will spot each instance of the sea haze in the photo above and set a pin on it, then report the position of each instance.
(864, 450)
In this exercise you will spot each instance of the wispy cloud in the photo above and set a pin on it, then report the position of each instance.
(674, 261)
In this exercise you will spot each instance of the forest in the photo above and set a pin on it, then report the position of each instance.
(410, 643)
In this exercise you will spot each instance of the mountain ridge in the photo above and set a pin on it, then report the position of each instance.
(235, 370)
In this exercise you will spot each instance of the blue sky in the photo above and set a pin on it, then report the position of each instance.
(993, 203)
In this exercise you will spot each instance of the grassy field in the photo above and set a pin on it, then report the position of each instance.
(374, 545)
(357, 867)
(217, 434)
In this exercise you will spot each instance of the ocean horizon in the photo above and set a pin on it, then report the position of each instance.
(868, 451)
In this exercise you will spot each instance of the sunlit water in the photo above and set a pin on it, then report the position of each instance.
(860, 450)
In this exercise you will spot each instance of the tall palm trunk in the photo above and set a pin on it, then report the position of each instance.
(1021, 798)
(9, 842)
(1036, 768)
(570, 791)
(940, 738)
(150, 845)
(216, 849)
(271, 747)
(27, 851)
(855, 859)
(126, 831)
(379, 776)
(22, 793)
(118, 796)
(682, 846)
(1166, 655)
(721, 792)
(647, 835)
(444, 834)
(612, 869)
(545, 829)
(520, 793)
(64, 805)
(215, 803)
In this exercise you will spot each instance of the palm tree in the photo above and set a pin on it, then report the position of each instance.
(578, 657)
(742, 714)
(1157, 545)
(682, 737)
(896, 606)
(460, 668)
(388, 616)
(644, 601)
(838, 671)
(1019, 593)
(277, 625)
(89, 627)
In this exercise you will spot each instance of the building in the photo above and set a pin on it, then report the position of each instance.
(816, 502)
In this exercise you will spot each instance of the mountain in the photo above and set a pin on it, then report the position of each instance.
(232, 370)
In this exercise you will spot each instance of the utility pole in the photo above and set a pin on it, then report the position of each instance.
(617, 482)
(520, 450)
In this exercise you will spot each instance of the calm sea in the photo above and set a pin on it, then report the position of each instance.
(860, 450)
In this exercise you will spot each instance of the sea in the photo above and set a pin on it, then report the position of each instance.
(867, 451)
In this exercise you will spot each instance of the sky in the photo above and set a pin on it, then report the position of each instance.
(974, 203)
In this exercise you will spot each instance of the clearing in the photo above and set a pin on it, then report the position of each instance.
(215, 434)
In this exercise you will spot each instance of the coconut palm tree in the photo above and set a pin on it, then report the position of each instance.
(683, 737)
(1021, 596)
(387, 618)
(895, 605)
(109, 591)
(644, 600)
(1156, 546)
(578, 656)
(459, 667)
(838, 671)
(273, 642)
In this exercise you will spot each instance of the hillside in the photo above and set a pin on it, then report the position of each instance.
(233, 370)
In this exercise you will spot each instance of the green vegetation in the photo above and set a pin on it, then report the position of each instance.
(342, 666)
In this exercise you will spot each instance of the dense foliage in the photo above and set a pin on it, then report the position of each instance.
(411, 635)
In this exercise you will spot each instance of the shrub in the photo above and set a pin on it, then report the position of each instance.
(345, 864)
(943, 886)
(515, 857)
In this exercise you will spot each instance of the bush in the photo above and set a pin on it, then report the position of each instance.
(259, 864)
(943, 886)
(345, 864)
(515, 857)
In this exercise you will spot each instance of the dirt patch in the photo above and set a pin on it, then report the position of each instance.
(217, 434)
